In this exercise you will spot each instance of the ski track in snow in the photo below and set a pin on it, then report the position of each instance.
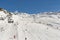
(23, 26)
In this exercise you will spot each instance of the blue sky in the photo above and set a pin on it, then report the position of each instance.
(30, 6)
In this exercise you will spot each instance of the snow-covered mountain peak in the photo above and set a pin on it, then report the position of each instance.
(5, 16)
(3, 12)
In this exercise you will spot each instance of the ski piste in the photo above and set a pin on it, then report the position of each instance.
(24, 26)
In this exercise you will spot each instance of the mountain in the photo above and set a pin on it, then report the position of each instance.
(24, 26)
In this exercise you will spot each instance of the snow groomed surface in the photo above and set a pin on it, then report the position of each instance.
(23, 26)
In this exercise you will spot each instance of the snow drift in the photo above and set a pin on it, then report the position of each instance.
(23, 26)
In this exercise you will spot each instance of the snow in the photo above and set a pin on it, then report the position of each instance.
(24, 26)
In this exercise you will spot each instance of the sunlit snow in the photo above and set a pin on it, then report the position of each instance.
(24, 26)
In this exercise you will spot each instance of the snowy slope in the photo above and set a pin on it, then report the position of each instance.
(23, 26)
